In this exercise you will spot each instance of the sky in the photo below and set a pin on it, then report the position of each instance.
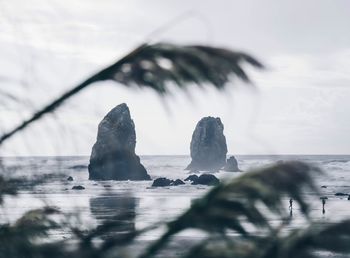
(298, 105)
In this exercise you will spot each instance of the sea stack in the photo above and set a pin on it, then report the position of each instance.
(208, 145)
(113, 155)
(232, 165)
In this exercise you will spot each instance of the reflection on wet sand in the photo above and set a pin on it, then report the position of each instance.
(117, 209)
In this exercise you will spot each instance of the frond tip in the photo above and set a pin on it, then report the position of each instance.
(155, 65)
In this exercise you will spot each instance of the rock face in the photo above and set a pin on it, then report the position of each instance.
(161, 182)
(78, 187)
(192, 178)
(206, 179)
(208, 145)
(232, 165)
(113, 155)
(177, 182)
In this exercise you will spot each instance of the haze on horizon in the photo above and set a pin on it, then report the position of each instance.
(299, 105)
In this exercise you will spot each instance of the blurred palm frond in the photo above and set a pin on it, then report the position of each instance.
(224, 212)
(229, 206)
(155, 65)
(235, 215)
(330, 237)
(24, 238)
(307, 242)
(37, 221)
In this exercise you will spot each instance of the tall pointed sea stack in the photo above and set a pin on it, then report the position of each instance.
(113, 155)
(208, 145)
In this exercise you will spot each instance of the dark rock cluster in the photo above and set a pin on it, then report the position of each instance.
(162, 181)
(78, 187)
(341, 194)
(204, 179)
(177, 182)
(192, 178)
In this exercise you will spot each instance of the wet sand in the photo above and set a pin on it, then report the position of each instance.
(104, 200)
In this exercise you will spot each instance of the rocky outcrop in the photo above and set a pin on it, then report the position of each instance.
(208, 145)
(206, 179)
(231, 165)
(192, 178)
(177, 182)
(113, 155)
(78, 187)
(161, 182)
(341, 194)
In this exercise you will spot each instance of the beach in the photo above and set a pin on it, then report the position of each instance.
(102, 200)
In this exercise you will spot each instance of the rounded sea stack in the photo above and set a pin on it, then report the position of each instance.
(208, 145)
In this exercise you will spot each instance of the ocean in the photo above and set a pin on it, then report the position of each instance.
(102, 200)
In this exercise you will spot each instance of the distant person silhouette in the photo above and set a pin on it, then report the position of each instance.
(291, 207)
(291, 204)
(323, 204)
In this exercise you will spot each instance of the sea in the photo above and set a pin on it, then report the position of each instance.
(146, 205)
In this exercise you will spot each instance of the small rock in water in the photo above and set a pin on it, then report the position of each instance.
(231, 165)
(177, 182)
(107, 186)
(349, 198)
(341, 194)
(70, 178)
(206, 179)
(192, 178)
(78, 187)
(323, 186)
(161, 182)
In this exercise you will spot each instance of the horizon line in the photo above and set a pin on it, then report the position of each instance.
(167, 155)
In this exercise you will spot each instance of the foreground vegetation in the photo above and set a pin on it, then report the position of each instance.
(235, 217)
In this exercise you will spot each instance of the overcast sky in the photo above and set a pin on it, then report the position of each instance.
(299, 105)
